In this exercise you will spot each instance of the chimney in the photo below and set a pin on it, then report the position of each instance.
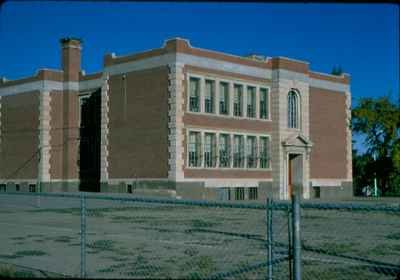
(71, 58)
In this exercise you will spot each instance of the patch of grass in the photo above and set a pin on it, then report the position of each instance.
(19, 243)
(39, 240)
(11, 272)
(206, 264)
(116, 259)
(393, 236)
(35, 235)
(340, 248)
(2, 256)
(63, 239)
(18, 238)
(196, 223)
(31, 253)
(191, 251)
(104, 245)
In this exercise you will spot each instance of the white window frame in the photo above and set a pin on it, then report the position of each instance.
(231, 81)
(296, 114)
(268, 107)
(230, 138)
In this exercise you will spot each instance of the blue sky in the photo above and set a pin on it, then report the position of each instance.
(362, 38)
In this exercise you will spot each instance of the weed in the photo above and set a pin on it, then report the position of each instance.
(30, 253)
(393, 236)
(10, 272)
(191, 251)
(105, 245)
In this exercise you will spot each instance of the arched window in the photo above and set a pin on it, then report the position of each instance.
(293, 109)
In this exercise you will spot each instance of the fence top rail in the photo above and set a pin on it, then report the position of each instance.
(276, 205)
(350, 206)
(171, 201)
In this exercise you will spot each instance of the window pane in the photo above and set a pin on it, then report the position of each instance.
(194, 98)
(238, 151)
(209, 150)
(293, 110)
(264, 103)
(264, 152)
(224, 151)
(194, 149)
(224, 99)
(238, 104)
(251, 152)
(253, 193)
(251, 102)
(209, 97)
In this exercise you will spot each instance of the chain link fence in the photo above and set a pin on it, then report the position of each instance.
(124, 236)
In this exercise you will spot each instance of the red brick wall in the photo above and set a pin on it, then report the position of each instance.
(138, 131)
(19, 136)
(328, 133)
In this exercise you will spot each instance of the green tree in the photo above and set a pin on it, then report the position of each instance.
(378, 119)
(337, 71)
(363, 171)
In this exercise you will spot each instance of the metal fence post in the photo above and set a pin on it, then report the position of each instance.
(290, 241)
(269, 237)
(83, 235)
(296, 236)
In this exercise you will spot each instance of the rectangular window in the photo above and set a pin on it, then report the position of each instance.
(238, 101)
(264, 103)
(224, 98)
(3, 188)
(129, 188)
(17, 187)
(251, 102)
(264, 151)
(253, 193)
(238, 151)
(194, 98)
(251, 152)
(194, 149)
(209, 150)
(239, 193)
(224, 151)
(317, 192)
(32, 188)
(209, 97)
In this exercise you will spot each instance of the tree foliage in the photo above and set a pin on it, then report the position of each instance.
(337, 71)
(378, 119)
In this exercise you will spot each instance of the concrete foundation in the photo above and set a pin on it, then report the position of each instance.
(334, 193)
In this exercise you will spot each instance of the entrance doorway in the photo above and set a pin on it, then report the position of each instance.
(90, 141)
(295, 173)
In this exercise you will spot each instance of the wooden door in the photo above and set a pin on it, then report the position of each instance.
(290, 182)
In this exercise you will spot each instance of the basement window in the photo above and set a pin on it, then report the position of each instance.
(129, 188)
(239, 193)
(3, 188)
(32, 188)
(253, 193)
(17, 188)
(317, 192)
